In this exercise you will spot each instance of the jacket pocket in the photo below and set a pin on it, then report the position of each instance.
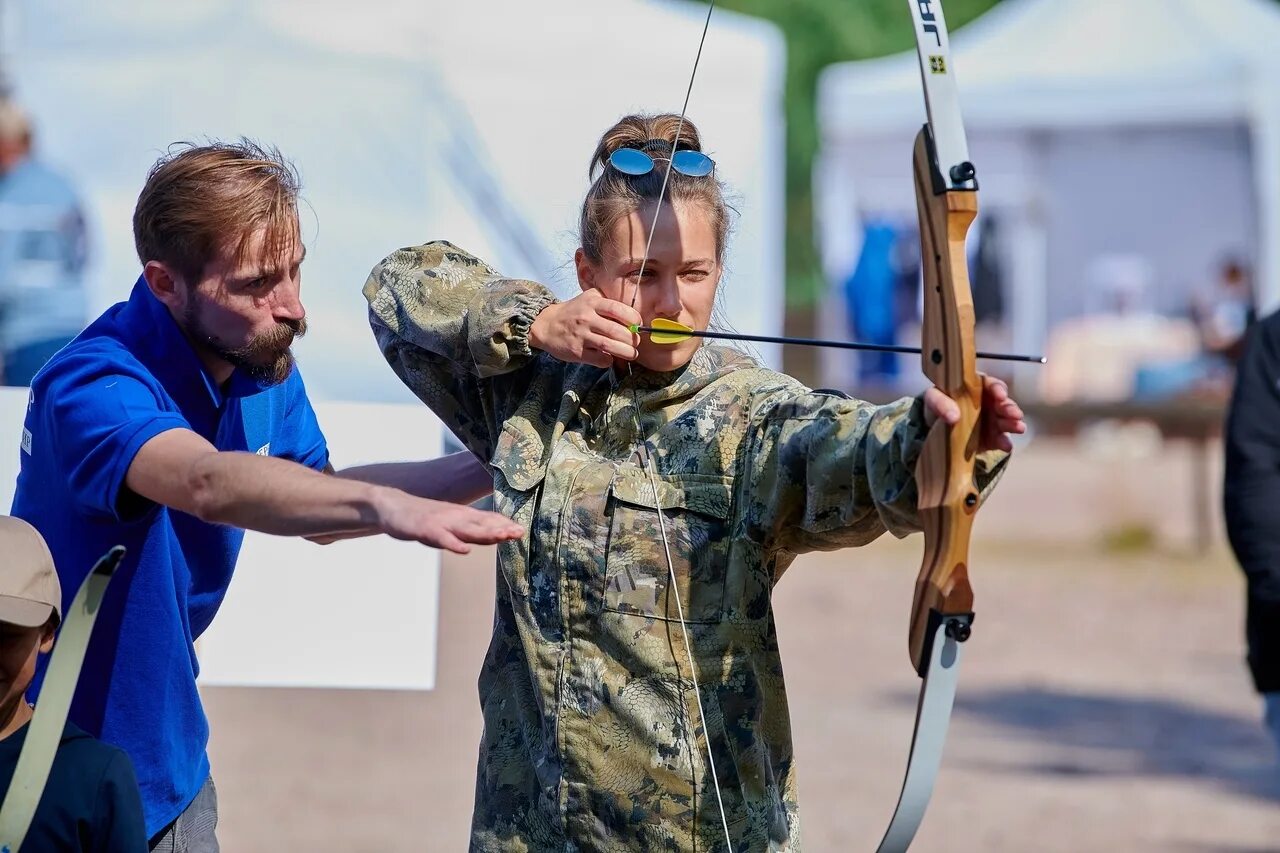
(517, 494)
(694, 512)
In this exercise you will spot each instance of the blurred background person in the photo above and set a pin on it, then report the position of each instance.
(987, 273)
(1098, 357)
(1225, 312)
(42, 254)
(1251, 501)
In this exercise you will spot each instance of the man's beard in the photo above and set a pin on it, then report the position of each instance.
(265, 357)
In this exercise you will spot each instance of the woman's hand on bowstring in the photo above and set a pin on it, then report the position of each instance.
(1000, 414)
(590, 328)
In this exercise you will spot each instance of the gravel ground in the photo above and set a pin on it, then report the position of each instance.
(1103, 703)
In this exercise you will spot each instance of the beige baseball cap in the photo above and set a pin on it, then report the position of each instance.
(29, 588)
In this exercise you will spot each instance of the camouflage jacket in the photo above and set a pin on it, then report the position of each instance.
(592, 736)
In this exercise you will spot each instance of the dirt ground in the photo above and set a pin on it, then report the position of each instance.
(1103, 702)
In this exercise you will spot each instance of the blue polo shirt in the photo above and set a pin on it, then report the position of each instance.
(128, 377)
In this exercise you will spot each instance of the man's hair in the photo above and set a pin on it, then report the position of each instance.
(202, 199)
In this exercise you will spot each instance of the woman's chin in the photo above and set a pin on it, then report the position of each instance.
(664, 360)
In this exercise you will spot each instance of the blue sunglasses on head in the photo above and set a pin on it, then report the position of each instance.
(632, 161)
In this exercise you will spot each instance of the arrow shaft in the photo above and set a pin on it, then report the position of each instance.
(814, 342)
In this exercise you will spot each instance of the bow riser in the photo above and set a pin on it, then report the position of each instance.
(944, 472)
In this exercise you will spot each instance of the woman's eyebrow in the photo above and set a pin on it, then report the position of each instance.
(652, 261)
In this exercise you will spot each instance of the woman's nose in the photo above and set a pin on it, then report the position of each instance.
(667, 299)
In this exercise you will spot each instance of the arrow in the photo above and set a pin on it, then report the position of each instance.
(671, 332)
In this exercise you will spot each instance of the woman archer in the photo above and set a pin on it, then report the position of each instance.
(622, 710)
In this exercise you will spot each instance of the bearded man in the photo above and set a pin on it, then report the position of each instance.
(175, 421)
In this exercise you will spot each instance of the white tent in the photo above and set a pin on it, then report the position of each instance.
(409, 121)
(1142, 127)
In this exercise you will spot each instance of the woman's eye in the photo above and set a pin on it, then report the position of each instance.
(695, 275)
(256, 284)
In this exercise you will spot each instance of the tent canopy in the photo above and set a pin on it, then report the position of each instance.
(1065, 63)
(1143, 127)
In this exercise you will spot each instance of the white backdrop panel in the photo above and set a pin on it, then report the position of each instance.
(356, 614)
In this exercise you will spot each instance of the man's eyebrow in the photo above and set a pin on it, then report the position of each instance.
(267, 269)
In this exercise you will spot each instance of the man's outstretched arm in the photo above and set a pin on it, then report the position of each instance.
(457, 478)
(180, 469)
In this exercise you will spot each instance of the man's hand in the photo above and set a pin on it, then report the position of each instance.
(588, 329)
(441, 525)
(1000, 414)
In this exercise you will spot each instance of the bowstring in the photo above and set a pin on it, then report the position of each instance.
(647, 458)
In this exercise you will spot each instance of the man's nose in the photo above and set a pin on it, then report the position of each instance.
(288, 302)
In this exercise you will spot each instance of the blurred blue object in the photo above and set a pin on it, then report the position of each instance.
(1165, 379)
(869, 296)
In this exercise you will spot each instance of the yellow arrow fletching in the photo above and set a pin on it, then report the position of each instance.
(668, 332)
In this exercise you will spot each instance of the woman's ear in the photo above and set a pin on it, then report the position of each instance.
(585, 269)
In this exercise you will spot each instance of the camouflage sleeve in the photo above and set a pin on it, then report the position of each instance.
(827, 472)
(448, 324)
